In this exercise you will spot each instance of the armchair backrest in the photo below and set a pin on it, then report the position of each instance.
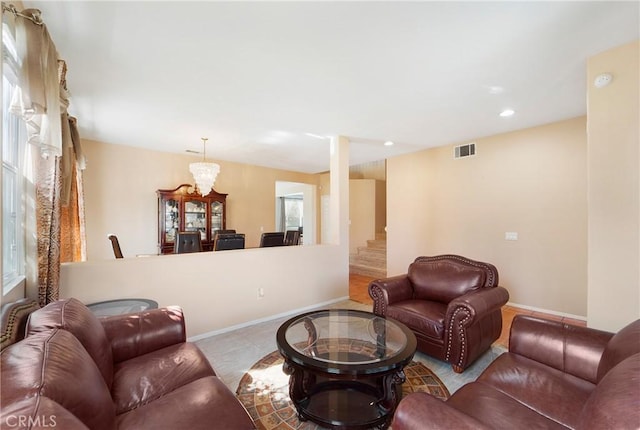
(442, 278)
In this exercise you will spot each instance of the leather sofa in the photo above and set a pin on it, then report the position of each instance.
(555, 376)
(451, 303)
(134, 371)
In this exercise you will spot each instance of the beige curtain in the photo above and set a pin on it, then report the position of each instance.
(42, 100)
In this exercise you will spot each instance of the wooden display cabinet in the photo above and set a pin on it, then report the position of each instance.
(183, 209)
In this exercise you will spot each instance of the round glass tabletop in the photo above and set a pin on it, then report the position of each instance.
(346, 337)
(121, 306)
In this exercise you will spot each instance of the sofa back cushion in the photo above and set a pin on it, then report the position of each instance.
(622, 345)
(445, 279)
(54, 365)
(614, 404)
(71, 315)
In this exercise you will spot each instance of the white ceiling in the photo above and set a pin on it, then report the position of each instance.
(256, 77)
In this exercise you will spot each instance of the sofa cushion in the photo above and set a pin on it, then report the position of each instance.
(203, 404)
(76, 318)
(54, 364)
(615, 403)
(621, 346)
(497, 410)
(444, 280)
(421, 316)
(557, 395)
(147, 377)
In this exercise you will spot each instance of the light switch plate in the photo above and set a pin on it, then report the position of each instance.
(511, 235)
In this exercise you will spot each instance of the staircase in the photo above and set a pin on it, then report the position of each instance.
(370, 260)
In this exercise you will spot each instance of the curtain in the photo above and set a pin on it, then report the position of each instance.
(37, 97)
(72, 224)
(41, 99)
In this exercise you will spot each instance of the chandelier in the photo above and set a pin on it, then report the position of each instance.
(204, 173)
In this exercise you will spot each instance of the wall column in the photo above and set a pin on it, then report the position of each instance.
(613, 189)
(339, 200)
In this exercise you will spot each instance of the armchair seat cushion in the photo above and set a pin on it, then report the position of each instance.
(421, 316)
(147, 377)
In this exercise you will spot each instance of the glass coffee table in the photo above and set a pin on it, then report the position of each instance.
(345, 366)
(121, 306)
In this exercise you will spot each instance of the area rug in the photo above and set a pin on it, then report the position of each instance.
(264, 391)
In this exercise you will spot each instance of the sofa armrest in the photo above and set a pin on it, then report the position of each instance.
(132, 335)
(421, 411)
(571, 349)
(388, 291)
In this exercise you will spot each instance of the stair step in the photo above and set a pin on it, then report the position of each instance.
(374, 261)
(381, 236)
(377, 243)
(374, 272)
(369, 250)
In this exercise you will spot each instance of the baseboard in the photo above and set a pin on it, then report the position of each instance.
(547, 311)
(266, 319)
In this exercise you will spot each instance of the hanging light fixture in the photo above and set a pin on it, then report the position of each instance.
(204, 173)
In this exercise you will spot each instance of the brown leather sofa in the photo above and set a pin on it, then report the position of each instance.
(450, 302)
(135, 371)
(555, 376)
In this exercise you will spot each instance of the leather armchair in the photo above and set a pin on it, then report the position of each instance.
(451, 303)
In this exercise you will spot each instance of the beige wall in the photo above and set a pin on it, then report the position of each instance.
(362, 212)
(217, 290)
(614, 189)
(120, 195)
(532, 182)
(367, 211)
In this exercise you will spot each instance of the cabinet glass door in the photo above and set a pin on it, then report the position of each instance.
(195, 217)
(216, 216)
(171, 219)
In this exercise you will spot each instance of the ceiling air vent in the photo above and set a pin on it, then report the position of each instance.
(462, 151)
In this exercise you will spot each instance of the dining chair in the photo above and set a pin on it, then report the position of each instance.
(187, 241)
(272, 239)
(292, 237)
(115, 245)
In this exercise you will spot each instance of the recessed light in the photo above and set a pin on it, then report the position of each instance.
(388, 143)
(494, 89)
(507, 112)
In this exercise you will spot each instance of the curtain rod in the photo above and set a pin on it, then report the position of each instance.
(35, 18)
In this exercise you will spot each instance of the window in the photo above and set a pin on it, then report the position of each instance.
(293, 212)
(13, 182)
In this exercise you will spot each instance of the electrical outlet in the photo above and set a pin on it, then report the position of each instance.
(260, 293)
(511, 235)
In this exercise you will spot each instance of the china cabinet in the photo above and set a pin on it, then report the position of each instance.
(183, 209)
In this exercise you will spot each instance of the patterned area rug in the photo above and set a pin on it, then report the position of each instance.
(264, 391)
